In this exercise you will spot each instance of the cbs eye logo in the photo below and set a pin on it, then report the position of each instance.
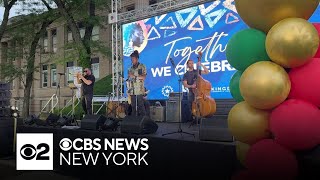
(65, 144)
(34, 151)
(29, 152)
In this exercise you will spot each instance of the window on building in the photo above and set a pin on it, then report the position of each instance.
(44, 76)
(20, 48)
(69, 36)
(82, 29)
(53, 74)
(70, 72)
(95, 67)
(12, 51)
(95, 33)
(45, 43)
(54, 40)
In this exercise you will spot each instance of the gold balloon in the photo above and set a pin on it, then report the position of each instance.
(263, 14)
(264, 85)
(248, 124)
(292, 42)
(242, 149)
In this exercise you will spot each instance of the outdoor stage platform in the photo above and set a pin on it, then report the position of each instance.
(171, 156)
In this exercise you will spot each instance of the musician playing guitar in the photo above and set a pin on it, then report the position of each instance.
(190, 77)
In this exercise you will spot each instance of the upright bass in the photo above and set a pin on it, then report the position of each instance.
(203, 105)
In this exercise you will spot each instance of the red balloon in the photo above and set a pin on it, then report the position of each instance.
(270, 160)
(295, 124)
(317, 26)
(305, 83)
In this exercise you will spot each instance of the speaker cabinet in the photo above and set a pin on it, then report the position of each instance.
(6, 136)
(215, 129)
(4, 86)
(172, 111)
(47, 119)
(92, 122)
(157, 113)
(138, 125)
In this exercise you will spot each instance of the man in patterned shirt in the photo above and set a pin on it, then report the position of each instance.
(137, 75)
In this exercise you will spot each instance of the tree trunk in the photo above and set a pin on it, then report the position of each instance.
(88, 33)
(26, 97)
(30, 67)
(7, 7)
(85, 49)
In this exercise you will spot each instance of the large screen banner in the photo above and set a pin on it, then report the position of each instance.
(169, 40)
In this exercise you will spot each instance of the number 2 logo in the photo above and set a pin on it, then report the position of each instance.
(29, 152)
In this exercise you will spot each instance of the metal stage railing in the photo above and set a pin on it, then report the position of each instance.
(53, 104)
(102, 101)
(70, 103)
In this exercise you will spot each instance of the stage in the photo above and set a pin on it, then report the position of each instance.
(177, 155)
(169, 156)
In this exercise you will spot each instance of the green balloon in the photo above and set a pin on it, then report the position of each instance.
(245, 48)
(235, 86)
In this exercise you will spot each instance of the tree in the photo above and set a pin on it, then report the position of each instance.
(72, 11)
(7, 4)
(27, 32)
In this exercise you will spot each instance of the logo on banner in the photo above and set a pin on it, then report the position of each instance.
(34, 151)
(166, 90)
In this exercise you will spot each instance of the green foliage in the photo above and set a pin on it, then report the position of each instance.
(22, 32)
(78, 111)
(103, 86)
(83, 13)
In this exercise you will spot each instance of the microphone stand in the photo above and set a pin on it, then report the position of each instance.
(58, 91)
(180, 85)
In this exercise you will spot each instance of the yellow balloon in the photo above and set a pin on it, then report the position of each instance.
(242, 149)
(248, 124)
(263, 14)
(292, 42)
(264, 85)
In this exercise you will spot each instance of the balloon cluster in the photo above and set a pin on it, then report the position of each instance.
(276, 86)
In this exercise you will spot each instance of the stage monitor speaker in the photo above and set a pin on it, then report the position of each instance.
(215, 129)
(47, 119)
(138, 125)
(4, 86)
(110, 124)
(64, 121)
(31, 119)
(92, 122)
(157, 113)
(172, 111)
